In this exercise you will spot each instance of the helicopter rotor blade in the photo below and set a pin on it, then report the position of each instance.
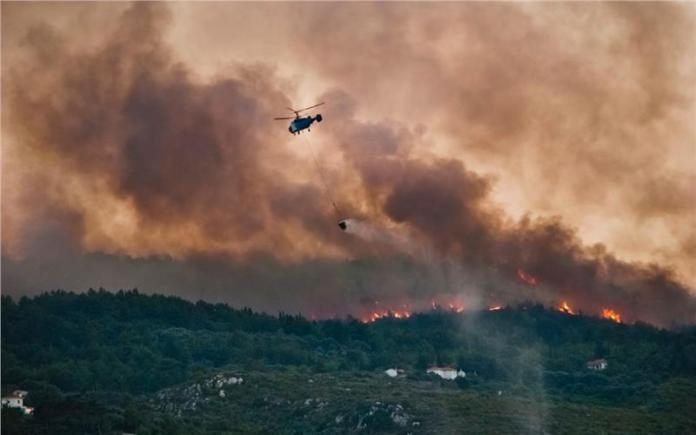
(284, 117)
(307, 108)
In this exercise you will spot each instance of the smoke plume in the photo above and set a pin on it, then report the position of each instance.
(126, 164)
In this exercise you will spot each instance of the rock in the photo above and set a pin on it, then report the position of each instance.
(361, 425)
(401, 420)
(398, 416)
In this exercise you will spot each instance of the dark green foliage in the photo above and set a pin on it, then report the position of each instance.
(92, 362)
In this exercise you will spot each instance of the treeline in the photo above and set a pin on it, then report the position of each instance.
(129, 342)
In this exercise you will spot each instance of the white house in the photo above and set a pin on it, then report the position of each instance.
(597, 364)
(448, 373)
(16, 400)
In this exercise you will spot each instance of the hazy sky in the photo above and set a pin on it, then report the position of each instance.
(469, 139)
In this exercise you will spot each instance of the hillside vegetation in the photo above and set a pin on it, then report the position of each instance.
(104, 362)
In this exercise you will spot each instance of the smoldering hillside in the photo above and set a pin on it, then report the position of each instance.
(123, 168)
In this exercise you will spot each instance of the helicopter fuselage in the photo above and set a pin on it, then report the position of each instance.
(303, 122)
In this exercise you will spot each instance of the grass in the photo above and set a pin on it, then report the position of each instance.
(294, 400)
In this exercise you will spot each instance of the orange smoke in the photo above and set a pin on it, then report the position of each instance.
(529, 279)
(180, 183)
(608, 313)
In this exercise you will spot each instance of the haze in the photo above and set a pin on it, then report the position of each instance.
(472, 141)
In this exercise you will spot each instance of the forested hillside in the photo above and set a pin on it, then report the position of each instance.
(104, 362)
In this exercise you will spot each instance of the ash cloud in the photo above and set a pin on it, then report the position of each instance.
(187, 162)
(579, 110)
(127, 169)
(448, 207)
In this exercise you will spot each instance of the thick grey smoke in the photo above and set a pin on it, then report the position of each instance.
(126, 169)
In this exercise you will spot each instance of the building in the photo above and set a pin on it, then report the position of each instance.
(597, 364)
(16, 400)
(448, 373)
(392, 373)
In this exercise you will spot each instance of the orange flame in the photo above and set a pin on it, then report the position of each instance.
(608, 313)
(495, 308)
(401, 314)
(456, 307)
(524, 276)
(383, 314)
(565, 308)
(449, 304)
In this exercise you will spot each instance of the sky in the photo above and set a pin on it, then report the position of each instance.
(470, 144)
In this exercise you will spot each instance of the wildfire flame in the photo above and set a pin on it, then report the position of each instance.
(495, 308)
(451, 305)
(608, 313)
(456, 307)
(524, 276)
(383, 314)
(565, 308)
(395, 310)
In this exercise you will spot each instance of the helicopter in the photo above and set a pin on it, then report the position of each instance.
(300, 123)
